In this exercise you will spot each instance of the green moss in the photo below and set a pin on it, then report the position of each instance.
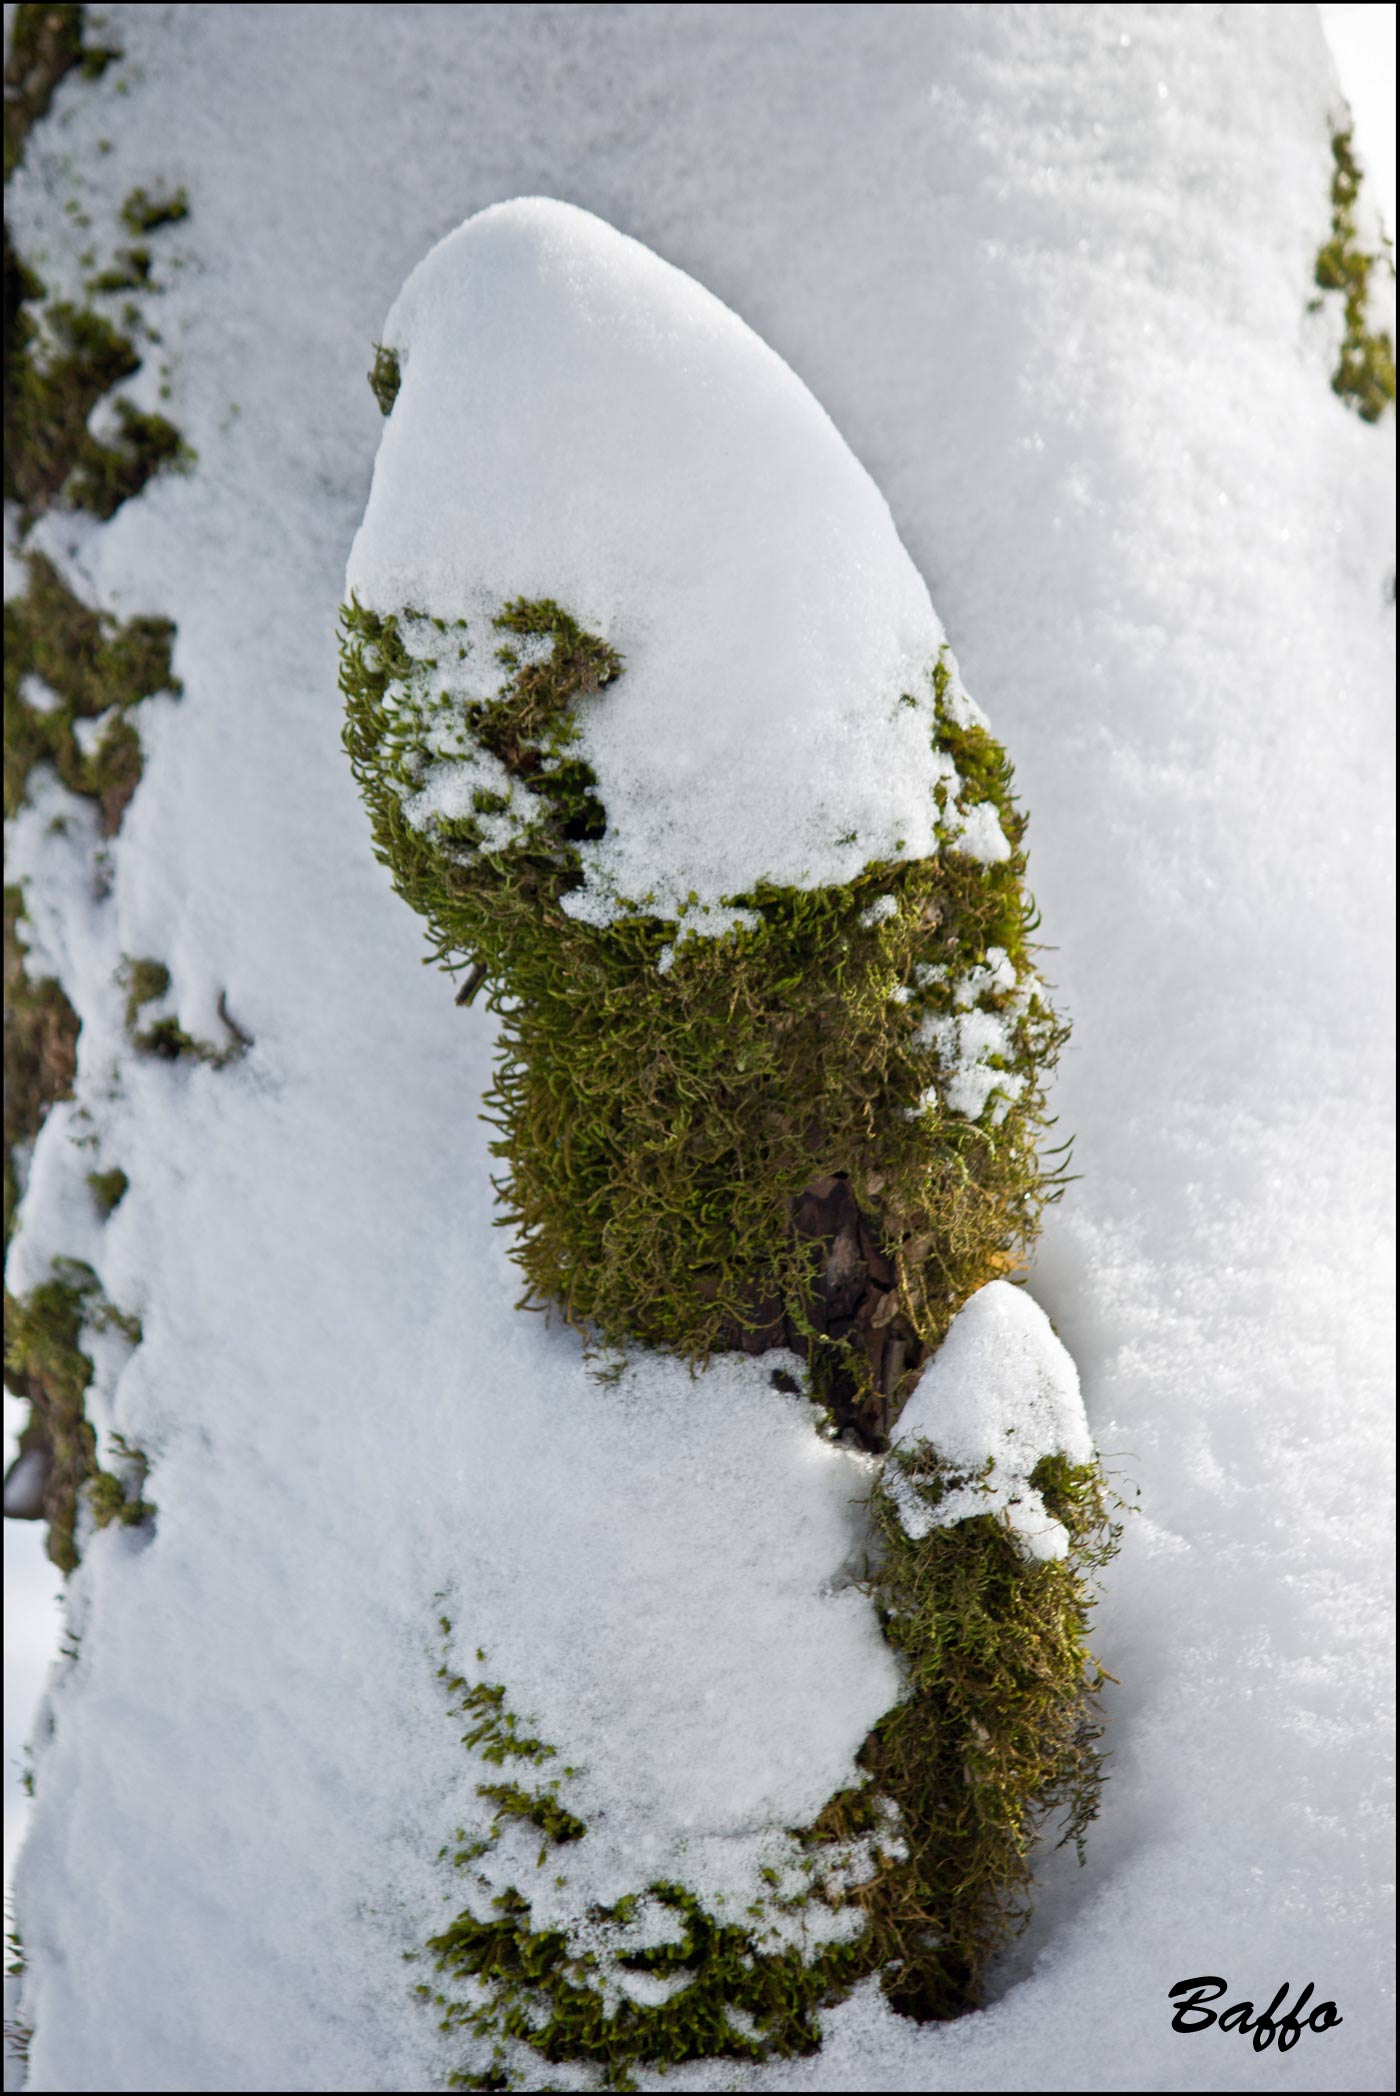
(108, 1189)
(996, 1733)
(46, 1365)
(46, 44)
(130, 272)
(109, 473)
(60, 361)
(540, 1807)
(145, 982)
(1365, 373)
(685, 1148)
(41, 1052)
(384, 377)
(144, 213)
(711, 1144)
(91, 665)
(738, 1993)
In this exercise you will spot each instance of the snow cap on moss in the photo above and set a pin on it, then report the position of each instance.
(579, 420)
(1001, 1390)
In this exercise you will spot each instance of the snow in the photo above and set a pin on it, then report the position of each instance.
(1000, 1393)
(1046, 269)
(579, 420)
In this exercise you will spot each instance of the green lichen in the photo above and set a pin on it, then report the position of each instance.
(384, 377)
(46, 1365)
(90, 665)
(1365, 373)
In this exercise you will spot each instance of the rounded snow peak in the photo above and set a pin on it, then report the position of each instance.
(579, 421)
(1001, 1392)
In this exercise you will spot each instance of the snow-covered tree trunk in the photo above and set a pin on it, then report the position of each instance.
(360, 1542)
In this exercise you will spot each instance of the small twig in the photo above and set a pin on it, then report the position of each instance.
(240, 1033)
(475, 977)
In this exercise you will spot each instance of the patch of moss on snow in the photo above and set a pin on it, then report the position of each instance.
(712, 1143)
(62, 359)
(384, 378)
(756, 1145)
(41, 1054)
(1365, 373)
(146, 982)
(920, 1874)
(45, 1364)
(45, 45)
(655, 1978)
(88, 666)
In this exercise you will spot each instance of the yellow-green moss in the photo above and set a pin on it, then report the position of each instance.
(1365, 373)
(995, 1734)
(91, 665)
(997, 1730)
(662, 1126)
(108, 1189)
(384, 377)
(146, 981)
(45, 1364)
(145, 212)
(45, 44)
(743, 1142)
(62, 359)
(41, 1053)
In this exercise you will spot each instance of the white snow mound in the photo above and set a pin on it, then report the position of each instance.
(1001, 1389)
(579, 420)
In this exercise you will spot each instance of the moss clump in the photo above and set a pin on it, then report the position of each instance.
(62, 359)
(996, 1733)
(146, 981)
(144, 212)
(45, 1364)
(753, 1145)
(737, 1991)
(384, 377)
(108, 1190)
(928, 1860)
(820, 1131)
(131, 271)
(90, 665)
(1365, 373)
(41, 1053)
(58, 371)
(46, 44)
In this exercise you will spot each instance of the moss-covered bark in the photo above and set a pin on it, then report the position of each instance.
(771, 1139)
